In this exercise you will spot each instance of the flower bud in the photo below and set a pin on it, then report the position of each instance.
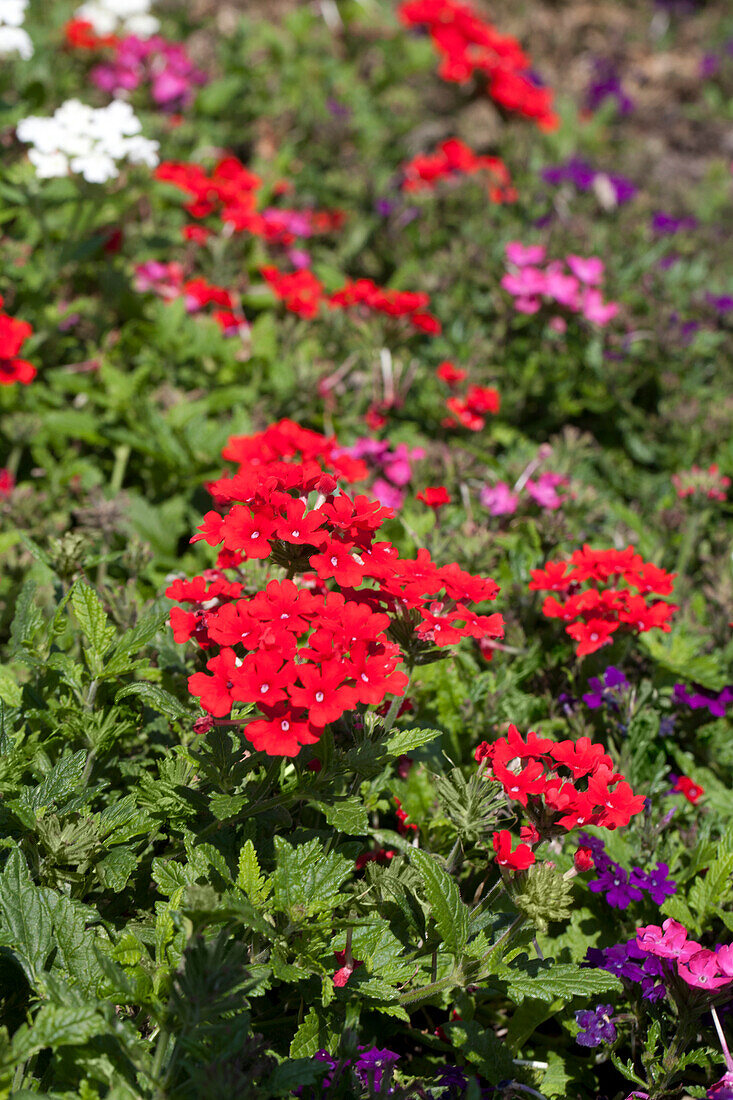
(583, 859)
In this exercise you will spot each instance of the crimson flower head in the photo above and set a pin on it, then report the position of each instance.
(518, 860)
(618, 591)
(435, 496)
(13, 334)
(692, 791)
(306, 653)
(450, 374)
(560, 784)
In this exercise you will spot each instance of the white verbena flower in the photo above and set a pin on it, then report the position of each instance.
(12, 12)
(88, 141)
(13, 38)
(119, 17)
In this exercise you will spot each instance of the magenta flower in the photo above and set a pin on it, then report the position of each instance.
(499, 499)
(702, 971)
(521, 255)
(666, 942)
(589, 271)
(596, 310)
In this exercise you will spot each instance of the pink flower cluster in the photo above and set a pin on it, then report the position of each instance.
(165, 66)
(501, 500)
(572, 284)
(392, 465)
(697, 966)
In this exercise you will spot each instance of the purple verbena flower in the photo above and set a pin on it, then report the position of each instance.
(372, 1064)
(615, 884)
(596, 1026)
(657, 882)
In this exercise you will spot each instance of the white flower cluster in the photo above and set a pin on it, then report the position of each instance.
(86, 140)
(13, 37)
(119, 17)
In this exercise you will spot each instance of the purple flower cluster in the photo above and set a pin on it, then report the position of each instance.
(666, 224)
(596, 1026)
(721, 303)
(166, 66)
(583, 177)
(620, 887)
(628, 962)
(606, 84)
(607, 692)
(392, 464)
(722, 1089)
(370, 1067)
(716, 704)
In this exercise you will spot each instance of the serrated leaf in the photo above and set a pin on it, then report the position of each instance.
(156, 697)
(293, 1074)
(710, 890)
(404, 741)
(306, 880)
(10, 691)
(116, 867)
(561, 980)
(144, 630)
(28, 618)
(25, 922)
(250, 878)
(312, 1035)
(55, 1026)
(348, 815)
(450, 914)
(556, 1078)
(92, 619)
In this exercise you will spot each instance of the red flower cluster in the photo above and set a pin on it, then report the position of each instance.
(468, 44)
(13, 334)
(303, 293)
(596, 612)
(306, 655)
(450, 374)
(470, 410)
(692, 791)
(231, 193)
(453, 158)
(544, 776)
(80, 35)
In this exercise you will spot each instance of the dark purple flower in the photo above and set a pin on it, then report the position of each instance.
(384, 207)
(720, 303)
(666, 726)
(594, 698)
(615, 884)
(614, 678)
(372, 1064)
(709, 65)
(666, 224)
(596, 1026)
(658, 883)
(715, 703)
(669, 261)
(607, 85)
(337, 109)
(582, 175)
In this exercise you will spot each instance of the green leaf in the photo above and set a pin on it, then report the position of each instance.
(144, 630)
(556, 1078)
(116, 867)
(347, 815)
(249, 877)
(404, 741)
(312, 1035)
(449, 911)
(482, 1049)
(25, 921)
(157, 697)
(55, 1026)
(92, 619)
(293, 1074)
(306, 880)
(28, 618)
(10, 692)
(561, 980)
(709, 891)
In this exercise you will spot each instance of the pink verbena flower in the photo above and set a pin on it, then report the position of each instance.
(702, 971)
(667, 942)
